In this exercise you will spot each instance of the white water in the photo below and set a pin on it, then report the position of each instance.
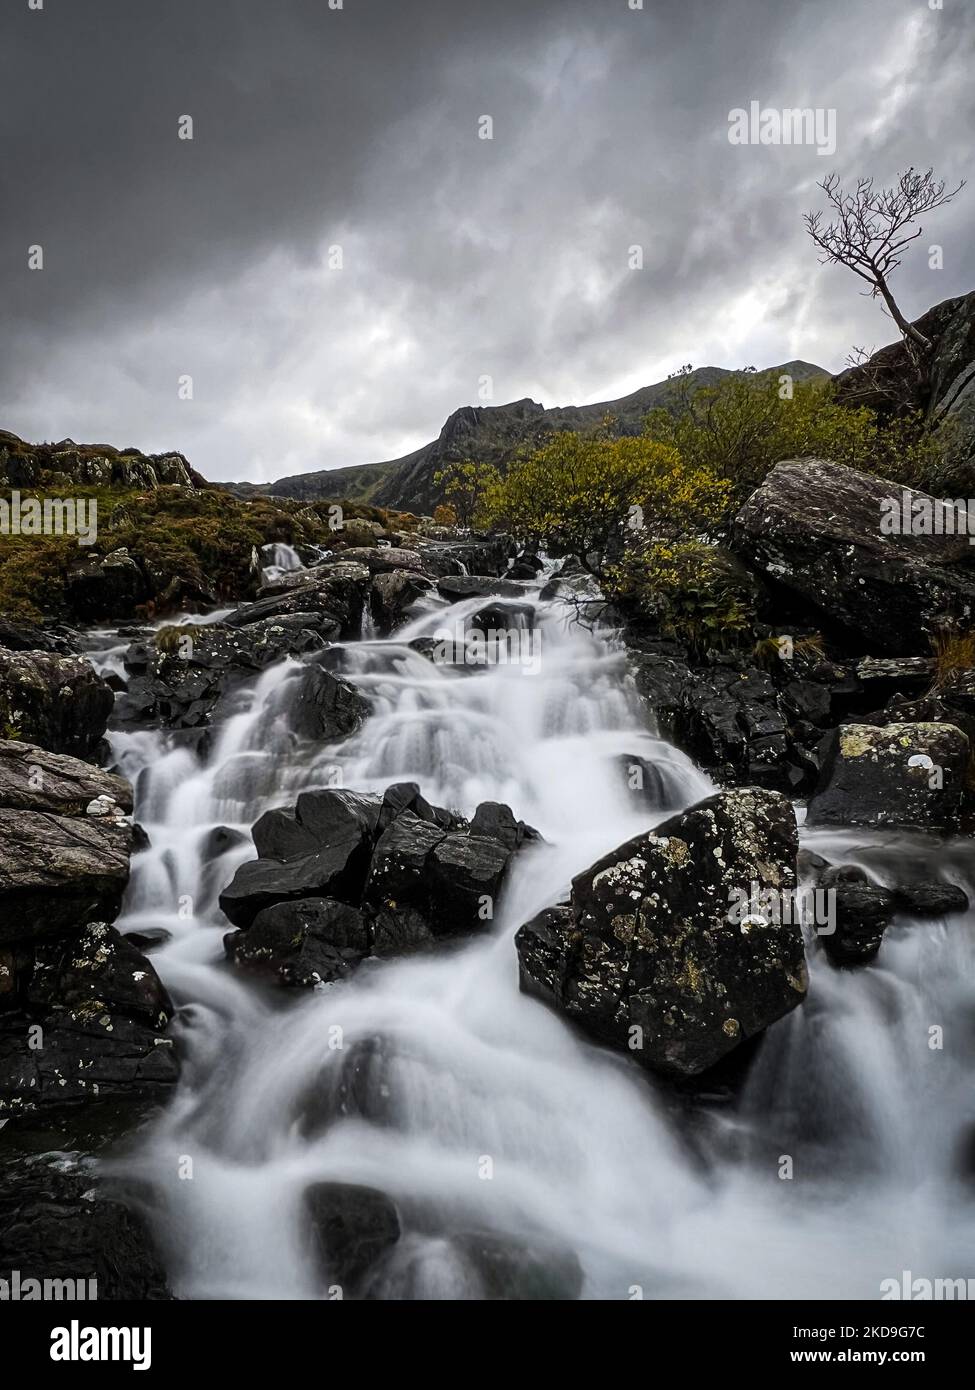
(444, 1063)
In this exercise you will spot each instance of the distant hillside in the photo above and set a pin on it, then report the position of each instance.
(490, 434)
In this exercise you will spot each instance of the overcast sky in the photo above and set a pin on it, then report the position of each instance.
(463, 258)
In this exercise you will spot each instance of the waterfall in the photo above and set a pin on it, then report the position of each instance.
(474, 1107)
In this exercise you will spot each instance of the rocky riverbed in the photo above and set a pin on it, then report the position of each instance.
(376, 932)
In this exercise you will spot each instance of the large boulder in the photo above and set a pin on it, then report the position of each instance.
(53, 700)
(651, 956)
(814, 528)
(337, 593)
(910, 775)
(64, 856)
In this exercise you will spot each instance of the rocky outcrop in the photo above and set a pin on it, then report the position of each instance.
(650, 954)
(814, 528)
(53, 700)
(102, 587)
(82, 1011)
(89, 465)
(347, 875)
(908, 775)
(179, 678)
(887, 382)
(336, 593)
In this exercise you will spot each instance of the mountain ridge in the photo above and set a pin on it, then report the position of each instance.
(486, 433)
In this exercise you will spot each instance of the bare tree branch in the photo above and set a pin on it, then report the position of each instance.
(869, 233)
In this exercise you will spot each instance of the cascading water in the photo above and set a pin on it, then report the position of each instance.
(472, 1105)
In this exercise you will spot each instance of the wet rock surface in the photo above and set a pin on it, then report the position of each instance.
(54, 700)
(647, 956)
(814, 528)
(910, 775)
(346, 875)
(82, 1011)
(60, 1221)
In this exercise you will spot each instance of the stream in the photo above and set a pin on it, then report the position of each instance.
(473, 1106)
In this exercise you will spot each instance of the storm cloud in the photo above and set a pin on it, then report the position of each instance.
(462, 258)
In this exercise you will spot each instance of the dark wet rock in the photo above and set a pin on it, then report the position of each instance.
(467, 873)
(910, 775)
(502, 616)
(326, 708)
(95, 973)
(392, 595)
(376, 559)
(60, 1221)
(405, 796)
(101, 587)
(414, 870)
(455, 588)
(399, 931)
(333, 871)
(220, 839)
(322, 849)
(489, 556)
(179, 679)
(862, 912)
(337, 592)
(149, 937)
(497, 822)
(650, 955)
(814, 528)
(650, 784)
(27, 637)
(931, 898)
(882, 676)
(55, 701)
(352, 1228)
(304, 943)
(399, 871)
(79, 1057)
(537, 1269)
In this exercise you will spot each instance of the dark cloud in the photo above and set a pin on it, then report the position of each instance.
(462, 258)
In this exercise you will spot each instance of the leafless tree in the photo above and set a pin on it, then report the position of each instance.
(869, 231)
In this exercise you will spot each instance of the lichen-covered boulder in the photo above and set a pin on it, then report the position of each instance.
(53, 700)
(65, 843)
(816, 528)
(654, 954)
(910, 775)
